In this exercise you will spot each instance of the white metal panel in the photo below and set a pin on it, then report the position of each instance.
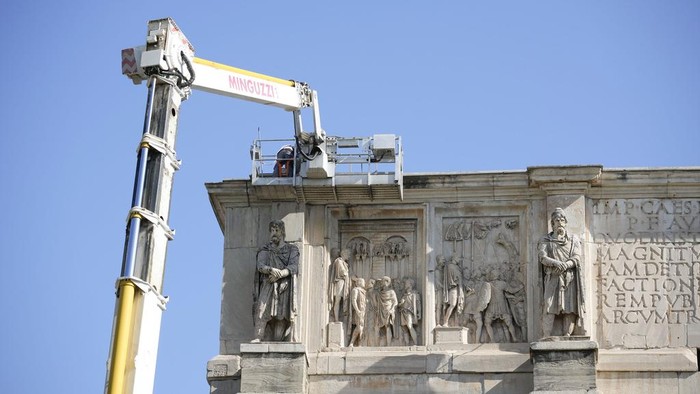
(246, 87)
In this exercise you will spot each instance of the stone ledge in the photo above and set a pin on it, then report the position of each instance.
(651, 360)
(589, 174)
(564, 345)
(478, 359)
(272, 347)
(223, 367)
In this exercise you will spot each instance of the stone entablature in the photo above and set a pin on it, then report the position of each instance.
(639, 231)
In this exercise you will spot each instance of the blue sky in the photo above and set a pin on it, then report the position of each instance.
(470, 86)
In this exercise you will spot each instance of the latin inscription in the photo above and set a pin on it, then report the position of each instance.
(648, 261)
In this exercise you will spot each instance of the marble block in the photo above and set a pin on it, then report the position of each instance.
(444, 335)
(564, 364)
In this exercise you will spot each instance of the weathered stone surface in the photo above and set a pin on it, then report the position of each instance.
(384, 362)
(564, 365)
(223, 367)
(652, 360)
(336, 335)
(451, 335)
(490, 359)
(639, 382)
(273, 372)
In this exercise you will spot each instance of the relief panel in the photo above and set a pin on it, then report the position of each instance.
(384, 304)
(480, 281)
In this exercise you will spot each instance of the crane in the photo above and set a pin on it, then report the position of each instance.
(310, 162)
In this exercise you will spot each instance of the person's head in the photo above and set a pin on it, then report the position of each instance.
(494, 274)
(558, 220)
(386, 282)
(277, 231)
(467, 273)
(440, 260)
(335, 253)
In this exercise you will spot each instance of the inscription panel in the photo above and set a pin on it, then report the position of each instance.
(648, 267)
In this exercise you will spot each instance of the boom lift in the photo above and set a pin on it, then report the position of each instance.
(311, 167)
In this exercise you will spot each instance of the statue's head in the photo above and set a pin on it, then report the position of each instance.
(277, 233)
(386, 282)
(370, 284)
(558, 220)
(408, 283)
(359, 282)
(440, 260)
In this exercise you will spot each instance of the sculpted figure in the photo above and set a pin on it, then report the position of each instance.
(452, 294)
(339, 285)
(274, 304)
(560, 255)
(358, 300)
(516, 300)
(372, 313)
(498, 306)
(410, 308)
(476, 299)
(387, 309)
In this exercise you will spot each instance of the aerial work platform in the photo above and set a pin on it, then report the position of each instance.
(359, 168)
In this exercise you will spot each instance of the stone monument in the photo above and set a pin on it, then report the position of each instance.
(549, 279)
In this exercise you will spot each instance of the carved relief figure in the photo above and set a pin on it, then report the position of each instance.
(516, 301)
(372, 312)
(274, 295)
(358, 301)
(451, 295)
(560, 255)
(339, 285)
(410, 309)
(498, 306)
(361, 252)
(387, 309)
(476, 299)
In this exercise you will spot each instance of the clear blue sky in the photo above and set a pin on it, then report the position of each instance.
(470, 87)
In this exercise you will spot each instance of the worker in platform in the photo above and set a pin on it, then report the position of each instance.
(284, 166)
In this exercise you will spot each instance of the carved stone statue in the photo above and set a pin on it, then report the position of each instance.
(358, 301)
(560, 255)
(339, 285)
(451, 294)
(274, 290)
(386, 309)
(410, 308)
(372, 312)
(498, 306)
(476, 299)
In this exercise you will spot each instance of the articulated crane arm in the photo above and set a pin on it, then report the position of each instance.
(168, 65)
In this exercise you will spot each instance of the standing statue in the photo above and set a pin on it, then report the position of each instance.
(358, 301)
(410, 308)
(339, 286)
(372, 317)
(274, 303)
(477, 296)
(386, 309)
(451, 294)
(560, 255)
(498, 306)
